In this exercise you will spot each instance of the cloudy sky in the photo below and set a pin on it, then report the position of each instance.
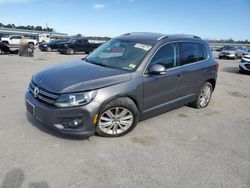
(214, 19)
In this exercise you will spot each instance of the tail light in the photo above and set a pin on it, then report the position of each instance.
(217, 65)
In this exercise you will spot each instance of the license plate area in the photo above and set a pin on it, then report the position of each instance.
(30, 108)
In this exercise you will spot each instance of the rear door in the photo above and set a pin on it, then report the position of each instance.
(195, 68)
(161, 90)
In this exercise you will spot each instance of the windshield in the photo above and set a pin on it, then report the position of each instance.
(119, 54)
(229, 48)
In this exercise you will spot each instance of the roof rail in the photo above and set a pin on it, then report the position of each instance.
(180, 35)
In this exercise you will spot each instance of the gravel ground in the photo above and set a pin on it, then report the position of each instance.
(185, 147)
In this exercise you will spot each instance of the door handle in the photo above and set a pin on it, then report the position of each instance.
(178, 76)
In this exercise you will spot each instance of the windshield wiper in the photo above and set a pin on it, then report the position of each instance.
(95, 63)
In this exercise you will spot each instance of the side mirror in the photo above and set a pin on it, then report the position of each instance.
(157, 69)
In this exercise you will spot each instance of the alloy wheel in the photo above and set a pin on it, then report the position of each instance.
(205, 96)
(115, 120)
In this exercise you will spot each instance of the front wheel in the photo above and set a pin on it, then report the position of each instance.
(204, 96)
(118, 117)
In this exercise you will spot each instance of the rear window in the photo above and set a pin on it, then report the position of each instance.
(192, 52)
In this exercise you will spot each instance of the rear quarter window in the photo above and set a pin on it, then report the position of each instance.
(192, 52)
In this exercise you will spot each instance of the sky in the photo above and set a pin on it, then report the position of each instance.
(210, 19)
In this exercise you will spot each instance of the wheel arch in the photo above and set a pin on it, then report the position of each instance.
(212, 81)
(5, 41)
(133, 98)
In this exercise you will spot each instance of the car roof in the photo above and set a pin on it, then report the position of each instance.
(153, 38)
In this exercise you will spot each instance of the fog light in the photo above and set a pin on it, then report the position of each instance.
(75, 123)
(59, 126)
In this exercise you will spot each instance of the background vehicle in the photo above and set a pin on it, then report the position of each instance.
(14, 40)
(77, 45)
(232, 52)
(244, 66)
(127, 79)
(52, 45)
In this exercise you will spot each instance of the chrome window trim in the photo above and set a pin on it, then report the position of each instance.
(144, 74)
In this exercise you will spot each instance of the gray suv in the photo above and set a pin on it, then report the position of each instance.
(127, 79)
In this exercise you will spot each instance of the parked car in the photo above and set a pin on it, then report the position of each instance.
(14, 40)
(129, 78)
(77, 45)
(232, 52)
(244, 66)
(50, 46)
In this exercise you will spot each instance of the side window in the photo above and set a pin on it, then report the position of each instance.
(193, 52)
(13, 37)
(189, 52)
(167, 55)
(202, 53)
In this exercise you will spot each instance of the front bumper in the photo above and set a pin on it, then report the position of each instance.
(59, 118)
(244, 67)
(227, 55)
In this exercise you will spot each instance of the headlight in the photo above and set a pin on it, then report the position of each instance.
(75, 99)
(45, 45)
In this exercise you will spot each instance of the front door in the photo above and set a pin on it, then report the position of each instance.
(161, 90)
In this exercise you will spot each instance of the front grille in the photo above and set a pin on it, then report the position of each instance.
(43, 95)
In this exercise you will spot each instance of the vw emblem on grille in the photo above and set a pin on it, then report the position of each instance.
(36, 92)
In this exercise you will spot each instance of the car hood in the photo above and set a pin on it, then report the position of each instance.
(78, 76)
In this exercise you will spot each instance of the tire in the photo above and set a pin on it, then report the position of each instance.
(113, 125)
(70, 51)
(198, 102)
(1, 52)
(31, 45)
(235, 57)
(48, 49)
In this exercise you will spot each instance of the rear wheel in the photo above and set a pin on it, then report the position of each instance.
(48, 49)
(31, 45)
(235, 57)
(70, 51)
(118, 117)
(204, 96)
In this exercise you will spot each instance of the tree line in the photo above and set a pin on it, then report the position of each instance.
(231, 41)
(28, 27)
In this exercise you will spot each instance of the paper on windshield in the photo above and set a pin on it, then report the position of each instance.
(143, 46)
